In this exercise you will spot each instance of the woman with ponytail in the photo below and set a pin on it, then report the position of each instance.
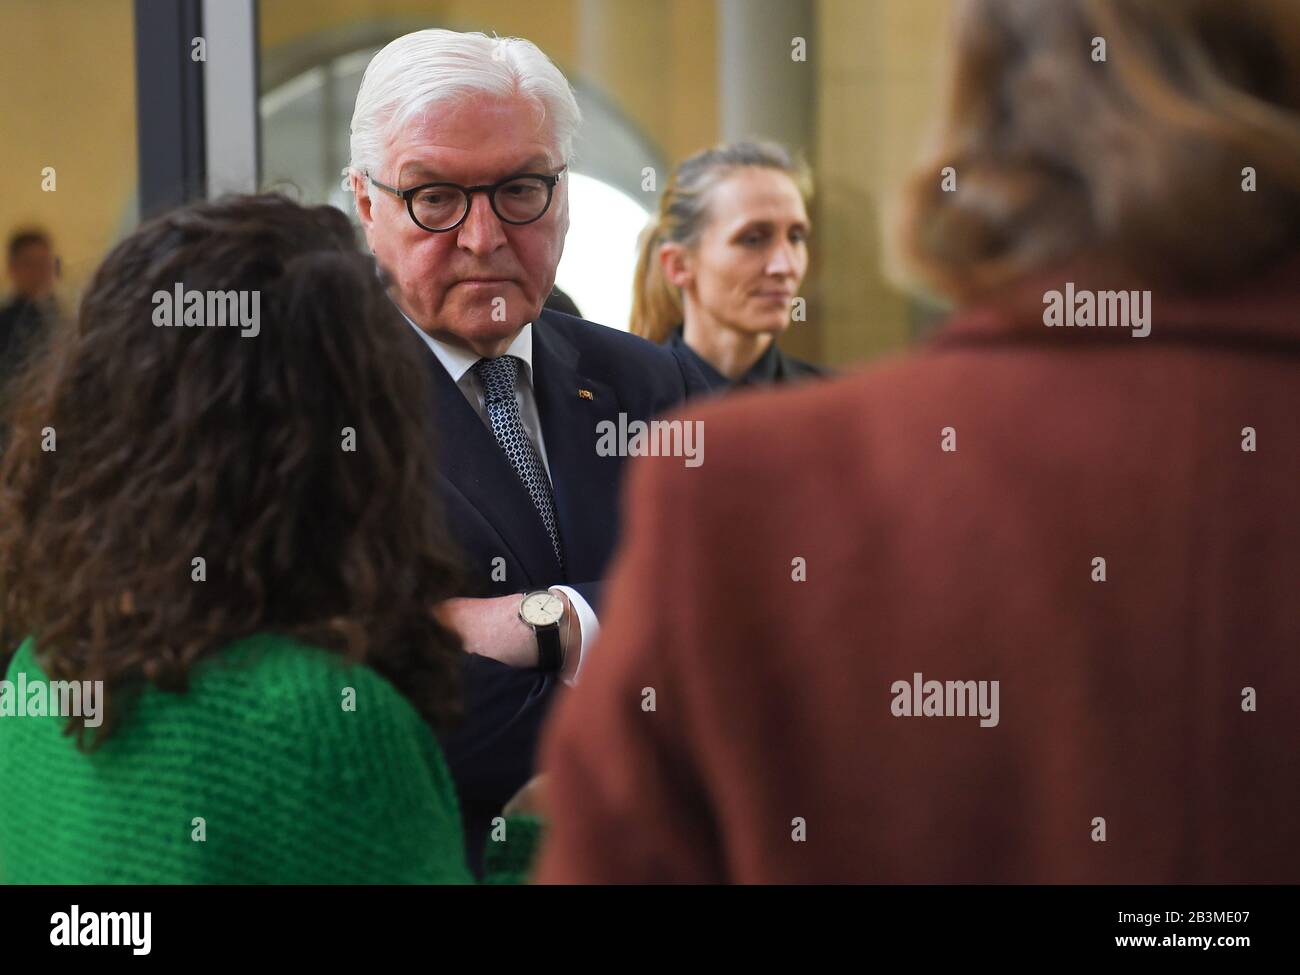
(722, 262)
(231, 549)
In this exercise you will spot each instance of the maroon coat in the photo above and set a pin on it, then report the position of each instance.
(1119, 700)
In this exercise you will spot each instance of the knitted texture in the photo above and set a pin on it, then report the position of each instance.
(288, 785)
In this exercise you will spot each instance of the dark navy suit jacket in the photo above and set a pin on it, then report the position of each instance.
(494, 523)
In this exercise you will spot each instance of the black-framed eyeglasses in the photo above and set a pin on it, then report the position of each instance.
(440, 207)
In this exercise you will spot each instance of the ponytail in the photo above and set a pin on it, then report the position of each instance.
(656, 304)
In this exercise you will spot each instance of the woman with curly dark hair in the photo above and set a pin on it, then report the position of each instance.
(223, 535)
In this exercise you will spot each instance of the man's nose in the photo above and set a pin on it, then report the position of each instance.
(482, 232)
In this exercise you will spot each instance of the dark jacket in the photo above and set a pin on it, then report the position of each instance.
(583, 373)
(774, 366)
(21, 322)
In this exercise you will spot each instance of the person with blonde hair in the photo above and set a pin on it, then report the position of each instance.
(721, 263)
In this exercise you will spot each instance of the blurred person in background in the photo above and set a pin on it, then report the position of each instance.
(32, 273)
(235, 534)
(721, 264)
(1020, 606)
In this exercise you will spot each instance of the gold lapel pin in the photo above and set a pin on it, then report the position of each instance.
(585, 394)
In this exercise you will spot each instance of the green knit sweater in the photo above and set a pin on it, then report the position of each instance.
(256, 774)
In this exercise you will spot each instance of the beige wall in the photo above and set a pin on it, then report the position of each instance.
(879, 73)
(653, 58)
(67, 99)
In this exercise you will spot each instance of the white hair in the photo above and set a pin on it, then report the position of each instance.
(428, 67)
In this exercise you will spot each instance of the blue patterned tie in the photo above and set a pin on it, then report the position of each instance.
(499, 377)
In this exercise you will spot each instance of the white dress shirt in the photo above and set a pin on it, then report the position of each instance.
(459, 364)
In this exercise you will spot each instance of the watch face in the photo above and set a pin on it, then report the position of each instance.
(542, 608)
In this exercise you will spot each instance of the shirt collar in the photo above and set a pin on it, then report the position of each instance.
(766, 370)
(712, 378)
(458, 360)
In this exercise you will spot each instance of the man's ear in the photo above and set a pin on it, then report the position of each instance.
(361, 193)
(677, 263)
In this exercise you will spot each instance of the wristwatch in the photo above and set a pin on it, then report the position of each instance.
(543, 610)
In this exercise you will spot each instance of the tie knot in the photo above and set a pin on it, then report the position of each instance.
(498, 377)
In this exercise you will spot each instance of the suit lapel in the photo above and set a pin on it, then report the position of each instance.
(471, 462)
(585, 485)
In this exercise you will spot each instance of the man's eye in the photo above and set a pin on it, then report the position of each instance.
(433, 198)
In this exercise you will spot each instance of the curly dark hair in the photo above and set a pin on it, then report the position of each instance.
(177, 443)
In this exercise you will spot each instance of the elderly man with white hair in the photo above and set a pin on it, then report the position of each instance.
(460, 151)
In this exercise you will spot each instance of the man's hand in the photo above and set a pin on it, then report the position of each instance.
(492, 628)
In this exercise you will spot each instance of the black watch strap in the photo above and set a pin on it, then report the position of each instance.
(549, 656)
